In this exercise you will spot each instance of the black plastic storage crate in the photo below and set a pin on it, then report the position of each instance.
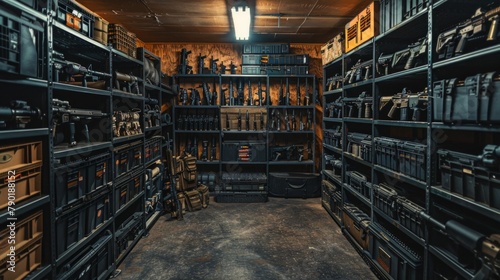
(92, 262)
(274, 70)
(244, 181)
(152, 148)
(357, 181)
(76, 17)
(21, 43)
(409, 216)
(266, 48)
(393, 12)
(128, 157)
(393, 256)
(356, 142)
(241, 197)
(275, 59)
(75, 179)
(412, 159)
(466, 175)
(294, 184)
(99, 209)
(386, 152)
(384, 198)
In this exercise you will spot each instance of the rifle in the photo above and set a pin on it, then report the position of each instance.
(222, 68)
(195, 97)
(224, 101)
(287, 122)
(298, 92)
(184, 68)
(301, 123)
(247, 121)
(334, 82)
(383, 62)
(194, 150)
(261, 121)
(356, 72)
(241, 94)
(308, 124)
(18, 115)
(70, 69)
(281, 100)
(254, 122)
(126, 82)
(201, 64)
(278, 122)
(183, 96)
(213, 150)
(406, 101)
(306, 98)
(239, 120)
(485, 248)
(214, 95)
(232, 68)
(294, 124)
(152, 112)
(410, 54)
(206, 93)
(227, 122)
(173, 180)
(63, 113)
(273, 119)
(213, 65)
(231, 97)
(363, 105)
(215, 125)
(204, 151)
(290, 152)
(259, 101)
(287, 98)
(250, 99)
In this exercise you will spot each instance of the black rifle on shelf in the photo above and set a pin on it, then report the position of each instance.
(254, 122)
(207, 94)
(18, 115)
(260, 101)
(359, 72)
(247, 121)
(213, 65)
(309, 120)
(214, 95)
(201, 64)
(64, 114)
(71, 69)
(278, 121)
(299, 98)
(410, 105)
(409, 57)
(126, 82)
(241, 94)
(287, 93)
(250, 99)
(273, 120)
(195, 97)
(359, 107)
(213, 150)
(184, 68)
(184, 96)
(307, 98)
(222, 68)
(239, 120)
(281, 100)
(232, 68)
(224, 101)
(301, 122)
(334, 82)
(294, 122)
(483, 247)
(215, 125)
(204, 151)
(173, 176)
(231, 93)
(261, 121)
(287, 121)
(194, 150)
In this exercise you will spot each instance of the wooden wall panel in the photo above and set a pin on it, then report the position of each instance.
(227, 53)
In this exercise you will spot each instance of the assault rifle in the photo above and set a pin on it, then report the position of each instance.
(259, 101)
(307, 99)
(239, 120)
(247, 121)
(18, 115)
(360, 71)
(152, 113)
(195, 97)
(204, 151)
(126, 82)
(299, 101)
(485, 248)
(255, 122)
(383, 63)
(334, 82)
(273, 120)
(453, 41)
(201, 64)
(232, 68)
(64, 114)
(207, 94)
(409, 56)
(309, 121)
(290, 152)
(410, 104)
(213, 150)
(241, 94)
(183, 96)
(334, 109)
(301, 123)
(294, 121)
(172, 174)
(70, 69)
(250, 99)
(214, 95)
(287, 98)
(361, 104)
(287, 121)
(184, 68)
(213, 65)
(281, 100)
(231, 97)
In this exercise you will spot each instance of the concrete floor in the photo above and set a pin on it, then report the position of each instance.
(280, 239)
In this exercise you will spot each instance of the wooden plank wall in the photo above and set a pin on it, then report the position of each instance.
(227, 53)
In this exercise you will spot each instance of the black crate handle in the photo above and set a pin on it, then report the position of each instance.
(293, 186)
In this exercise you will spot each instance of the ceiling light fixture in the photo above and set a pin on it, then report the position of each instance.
(241, 20)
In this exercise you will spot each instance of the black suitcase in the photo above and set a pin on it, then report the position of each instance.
(294, 184)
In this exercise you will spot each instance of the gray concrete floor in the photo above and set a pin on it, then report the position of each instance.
(280, 239)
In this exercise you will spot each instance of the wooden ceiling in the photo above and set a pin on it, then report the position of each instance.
(209, 21)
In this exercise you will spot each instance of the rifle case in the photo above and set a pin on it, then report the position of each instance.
(294, 184)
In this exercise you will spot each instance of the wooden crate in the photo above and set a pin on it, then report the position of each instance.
(28, 258)
(333, 49)
(362, 27)
(13, 157)
(27, 229)
(232, 114)
(28, 183)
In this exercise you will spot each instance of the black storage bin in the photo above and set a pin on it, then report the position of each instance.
(76, 17)
(295, 184)
(121, 195)
(393, 256)
(386, 152)
(98, 209)
(412, 159)
(244, 182)
(266, 48)
(92, 262)
(99, 171)
(128, 157)
(70, 228)
(152, 149)
(356, 180)
(127, 232)
(70, 183)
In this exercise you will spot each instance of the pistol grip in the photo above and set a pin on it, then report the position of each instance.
(392, 111)
(409, 62)
(461, 44)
